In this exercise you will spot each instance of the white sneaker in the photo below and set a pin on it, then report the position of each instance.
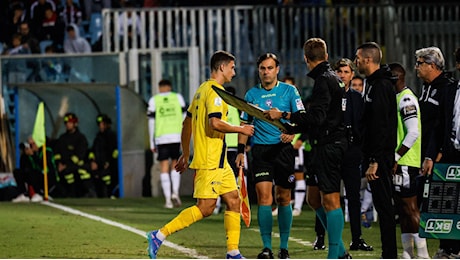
(20, 198)
(36, 198)
(296, 212)
(176, 200)
(169, 204)
(275, 212)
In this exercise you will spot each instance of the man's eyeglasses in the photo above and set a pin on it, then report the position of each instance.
(418, 63)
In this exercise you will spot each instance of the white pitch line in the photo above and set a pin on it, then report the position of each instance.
(187, 251)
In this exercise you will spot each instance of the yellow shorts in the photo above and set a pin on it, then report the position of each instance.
(210, 184)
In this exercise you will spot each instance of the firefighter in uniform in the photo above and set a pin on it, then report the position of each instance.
(71, 150)
(103, 159)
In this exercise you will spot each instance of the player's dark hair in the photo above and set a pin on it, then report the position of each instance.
(397, 67)
(165, 82)
(219, 58)
(371, 50)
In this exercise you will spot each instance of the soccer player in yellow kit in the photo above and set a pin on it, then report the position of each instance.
(206, 121)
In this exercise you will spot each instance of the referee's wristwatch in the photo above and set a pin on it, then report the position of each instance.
(284, 115)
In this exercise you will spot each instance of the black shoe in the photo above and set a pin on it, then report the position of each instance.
(319, 243)
(346, 256)
(265, 254)
(283, 254)
(360, 245)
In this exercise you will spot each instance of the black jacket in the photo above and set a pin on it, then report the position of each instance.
(323, 120)
(441, 137)
(353, 116)
(379, 115)
(71, 148)
(430, 110)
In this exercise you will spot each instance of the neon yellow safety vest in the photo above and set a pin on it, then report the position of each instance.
(231, 139)
(168, 114)
(413, 155)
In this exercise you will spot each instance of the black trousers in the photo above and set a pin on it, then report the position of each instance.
(351, 176)
(382, 196)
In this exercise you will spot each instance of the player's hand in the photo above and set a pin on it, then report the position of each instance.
(239, 160)
(61, 167)
(247, 130)
(427, 167)
(297, 144)
(182, 163)
(371, 173)
(93, 166)
(395, 167)
(286, 138)
(273, 114)
(154, 150)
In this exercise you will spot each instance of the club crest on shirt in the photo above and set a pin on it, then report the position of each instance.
(269, 103)
(291, 178)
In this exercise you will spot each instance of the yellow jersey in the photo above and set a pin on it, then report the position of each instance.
(208, 145)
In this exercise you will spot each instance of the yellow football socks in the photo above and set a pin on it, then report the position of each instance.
(185, 218)
(232, 223)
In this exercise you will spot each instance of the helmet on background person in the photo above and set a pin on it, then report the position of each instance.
(70, 117)
(103, 118)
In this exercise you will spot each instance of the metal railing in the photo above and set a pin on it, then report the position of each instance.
(248, 31)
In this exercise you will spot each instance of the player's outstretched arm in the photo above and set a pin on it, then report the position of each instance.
(224, 127)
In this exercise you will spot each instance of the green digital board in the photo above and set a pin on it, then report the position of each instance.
(440, 212)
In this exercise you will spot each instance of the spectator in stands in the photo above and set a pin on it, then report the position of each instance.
(132, 23)
(71, 13)
(37, 12)
(74, 42)
(16, 47)
(29, 37)
(13, 22)
(94, 6)
(51, 28)
(3, 18)
(151, 3)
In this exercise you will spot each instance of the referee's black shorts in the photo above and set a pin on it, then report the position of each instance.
(274, 162)
(326, 164)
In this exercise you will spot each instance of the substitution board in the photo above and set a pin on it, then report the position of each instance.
(440, 212)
